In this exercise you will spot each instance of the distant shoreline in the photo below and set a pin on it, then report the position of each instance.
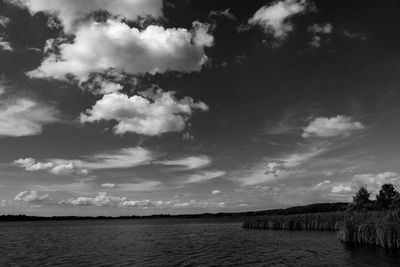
(312, 208)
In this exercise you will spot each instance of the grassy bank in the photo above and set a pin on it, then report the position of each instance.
(380, 228)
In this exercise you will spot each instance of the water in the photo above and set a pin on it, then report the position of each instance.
(175, 242)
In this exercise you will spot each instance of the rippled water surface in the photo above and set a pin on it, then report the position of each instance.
(171, 242)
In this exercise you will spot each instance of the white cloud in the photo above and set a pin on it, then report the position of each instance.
(71, 12)
(123, 158)
(225, 13)
(22, 116)
(373, 182)
(31, 197)
(139, 187)
(315, 41)
(357, 35)
(275, 18)
(341, 189)
(323, 184)
(108, 185)
(130, 50)
(216, 192)
(137, 203)
(202, 177)
(55, 166)
(325, 28)
(280, 168)
(197, 204)
(188, 163)
(102, 199)
(330, 127)
(290, 161)
(150, 113)
(4, 21)
(319, 30)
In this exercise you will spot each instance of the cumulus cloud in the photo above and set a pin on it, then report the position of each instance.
(321, 28)
(55, 166)
(188, 163)
(274, 19)
(318, 31)
(4, 45)
(102, 199)
(331, 127)
(374, 181)
(123, 158)
(137, 203)
(149, 113)
(130, 50)
(23, 116)
(31, 197)
(71, 12)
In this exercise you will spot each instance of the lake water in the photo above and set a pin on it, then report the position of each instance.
(175, 242)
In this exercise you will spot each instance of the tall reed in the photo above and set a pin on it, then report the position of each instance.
(328, 221)
(380, 228)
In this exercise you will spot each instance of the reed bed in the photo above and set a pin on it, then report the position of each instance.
(380, 228)
(329, 221)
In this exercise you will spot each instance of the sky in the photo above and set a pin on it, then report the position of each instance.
(139, 107)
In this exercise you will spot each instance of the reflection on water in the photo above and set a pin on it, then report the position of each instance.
(171, 242)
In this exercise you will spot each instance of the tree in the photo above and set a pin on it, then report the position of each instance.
(361, 200)
(387, 197)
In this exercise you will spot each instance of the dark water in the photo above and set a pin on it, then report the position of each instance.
(173, 242)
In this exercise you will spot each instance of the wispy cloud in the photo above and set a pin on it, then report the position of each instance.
(187, 163)
(202, 177)
(224, 13)
(31, 197)
(274, 19)
(123, 158)
(331, 127)
(319, 136)
(22, 116)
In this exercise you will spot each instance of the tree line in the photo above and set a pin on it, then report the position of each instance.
(387, 198)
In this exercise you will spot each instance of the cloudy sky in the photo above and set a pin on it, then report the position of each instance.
(111, 107)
